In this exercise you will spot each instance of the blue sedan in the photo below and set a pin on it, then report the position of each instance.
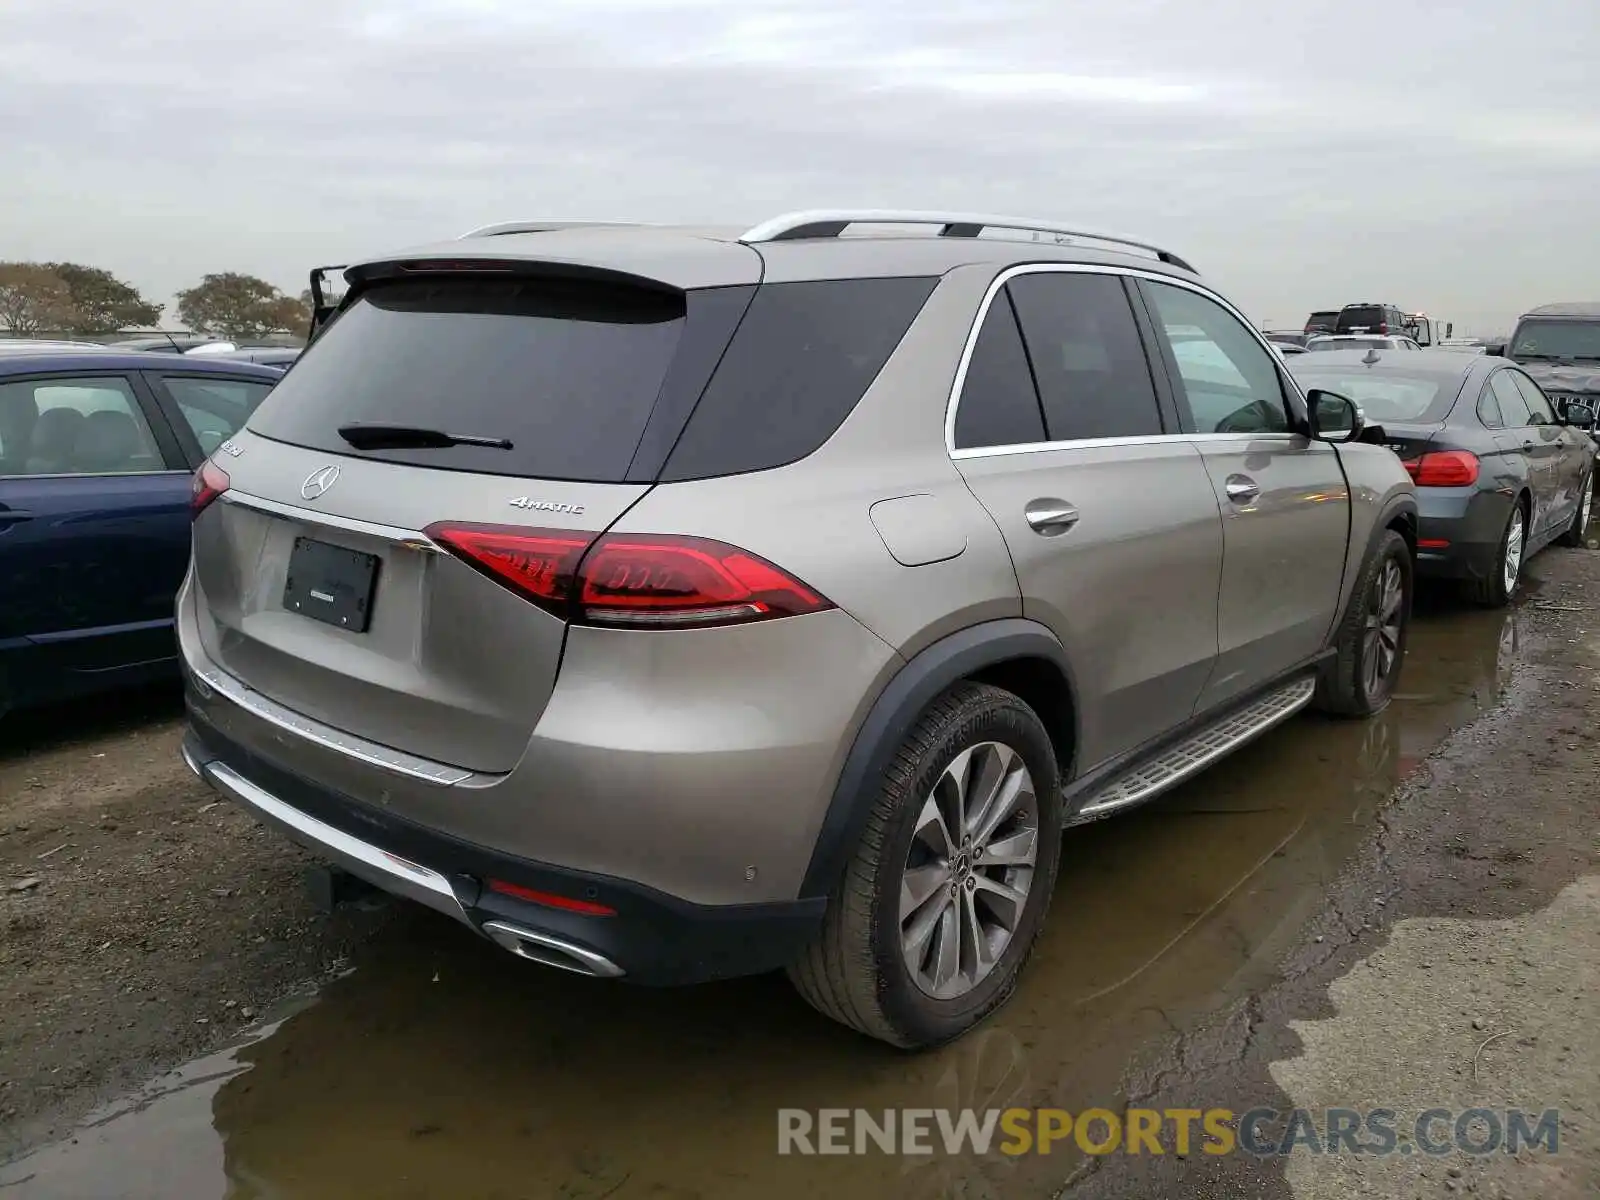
(97, 450)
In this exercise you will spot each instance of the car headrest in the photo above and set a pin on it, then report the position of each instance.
(108, 441)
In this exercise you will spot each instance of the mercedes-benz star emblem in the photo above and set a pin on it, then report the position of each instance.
(318, 482)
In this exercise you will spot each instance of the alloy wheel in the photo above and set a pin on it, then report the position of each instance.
(967, 876)
(1380, 650)
(1512, 567)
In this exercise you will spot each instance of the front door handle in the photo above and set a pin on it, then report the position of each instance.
(1049, 517)
(1242, 489)
(10, 515)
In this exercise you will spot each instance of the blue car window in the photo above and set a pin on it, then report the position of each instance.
(91, 426)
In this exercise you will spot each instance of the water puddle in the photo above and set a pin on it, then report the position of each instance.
(443, 1068)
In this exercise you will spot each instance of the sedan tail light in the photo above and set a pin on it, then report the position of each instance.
(1443, 468)
(639, 581)
(210, 481)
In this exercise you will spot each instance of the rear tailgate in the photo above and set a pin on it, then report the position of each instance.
(316, 584)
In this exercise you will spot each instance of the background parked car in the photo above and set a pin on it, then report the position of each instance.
(1287, 337)
(1322, 321)
(43, 346)
(1345, 341)
(1499, 475)
(268, 356)
(97, 451)
(161, 343)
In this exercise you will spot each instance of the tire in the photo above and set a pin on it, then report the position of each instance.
(1496, 590)
(859, 971)
(1577, 533)
(1370, 649)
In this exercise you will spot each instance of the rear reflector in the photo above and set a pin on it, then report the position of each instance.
(210, 481)
(638, 581)
(1432, 543)
(550, 900)
(1444, 468)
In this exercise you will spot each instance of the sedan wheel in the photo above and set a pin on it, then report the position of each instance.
(1511, 555)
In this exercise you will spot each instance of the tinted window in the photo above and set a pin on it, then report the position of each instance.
(74, 427)
(1230, 381)
(1366, 319)
(1094, 379)
(999, 405)
(802, 357)
(215, 409)
(566, 371)
(1535, 399)
(1513, 408)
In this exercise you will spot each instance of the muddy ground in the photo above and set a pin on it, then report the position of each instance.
(1188, 963)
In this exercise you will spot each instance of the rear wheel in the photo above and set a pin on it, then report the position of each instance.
(1577, 533)
(927, 931)
(1500, 583)
(1370, 645)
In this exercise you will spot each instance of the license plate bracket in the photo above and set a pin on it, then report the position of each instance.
(331, 584)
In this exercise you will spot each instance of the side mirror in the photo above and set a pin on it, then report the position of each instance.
(1579, 415)
(1496, 349)
(1450, 329)
(1334, 418)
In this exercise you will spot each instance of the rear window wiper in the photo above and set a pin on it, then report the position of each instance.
(411, 437)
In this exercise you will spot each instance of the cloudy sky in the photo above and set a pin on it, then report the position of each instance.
(1439, 156)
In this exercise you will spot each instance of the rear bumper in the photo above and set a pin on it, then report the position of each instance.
(1469, 522)
(653, 938)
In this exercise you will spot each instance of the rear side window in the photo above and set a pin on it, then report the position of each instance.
(999, 405)
(567, 371)
(1489, 409)
(1538, 404)
(1094, 378)
(802, 358)
(214, 409)
(1513, 408)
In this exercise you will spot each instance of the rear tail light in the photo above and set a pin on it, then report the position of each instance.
(210, 481)
(1444, 468)
(638, 581)
(1383, 327)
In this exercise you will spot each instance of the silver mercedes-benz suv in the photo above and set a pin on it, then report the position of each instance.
(673, 604)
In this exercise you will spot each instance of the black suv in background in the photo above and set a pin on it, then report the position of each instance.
(1370, 318)
(1322, 321)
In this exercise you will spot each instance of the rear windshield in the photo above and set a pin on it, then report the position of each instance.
(566, 371)
(1360, 318)
(1382, 397)
(1557, 339)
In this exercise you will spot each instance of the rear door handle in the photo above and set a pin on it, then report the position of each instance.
(1049, 517)
(10, 515)
(1242, 489)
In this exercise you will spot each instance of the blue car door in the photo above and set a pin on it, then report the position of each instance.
(94, 532)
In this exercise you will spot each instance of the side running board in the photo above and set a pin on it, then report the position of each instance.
(1173, 764)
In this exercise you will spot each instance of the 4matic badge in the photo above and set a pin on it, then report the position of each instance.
(555, 506)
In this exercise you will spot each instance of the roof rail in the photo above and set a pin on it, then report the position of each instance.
(538, 225)
(828, 223)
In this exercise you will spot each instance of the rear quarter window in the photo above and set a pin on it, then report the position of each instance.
(799, 363)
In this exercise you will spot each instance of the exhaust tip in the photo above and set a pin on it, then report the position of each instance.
(550, 951)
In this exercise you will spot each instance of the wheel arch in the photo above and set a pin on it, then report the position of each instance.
(1018, 655)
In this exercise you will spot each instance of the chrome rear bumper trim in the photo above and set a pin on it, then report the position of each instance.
(271, 711)
(378, 867)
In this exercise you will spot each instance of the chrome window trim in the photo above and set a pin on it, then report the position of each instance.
(411, 538)
(953, 403)
(1153, 439)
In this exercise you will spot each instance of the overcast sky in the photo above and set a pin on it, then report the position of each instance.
(1439, 156)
